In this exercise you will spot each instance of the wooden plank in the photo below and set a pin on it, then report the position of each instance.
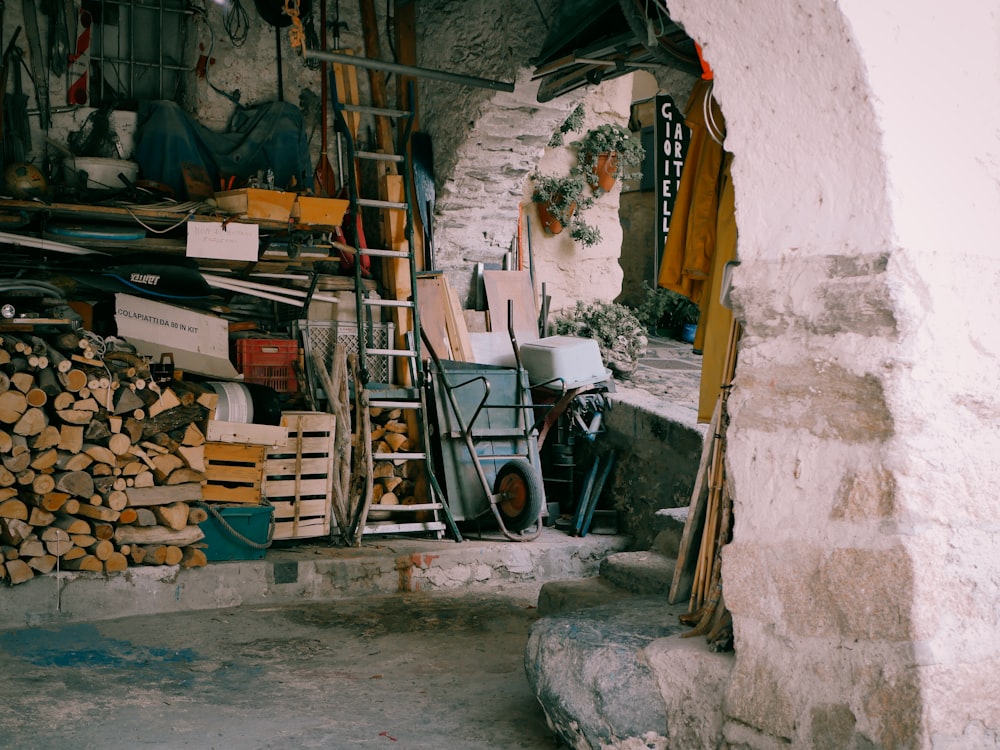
(217, 493)
(512, 285)
(346, 77)
(433, 302)
(687, 557)
(277, 489)
(139, 497)
(458, 330)
(306, 467)
(307, 529)
(245, 434)
(396, 271)
(307, 508)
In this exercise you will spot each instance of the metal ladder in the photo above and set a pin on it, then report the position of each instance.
(411, 397)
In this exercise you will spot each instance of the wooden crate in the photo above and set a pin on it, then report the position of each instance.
(234, 473)
(298, 476)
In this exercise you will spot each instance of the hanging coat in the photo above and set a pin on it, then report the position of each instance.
(687, 253)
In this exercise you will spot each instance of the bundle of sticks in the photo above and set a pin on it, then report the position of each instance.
(707, 610)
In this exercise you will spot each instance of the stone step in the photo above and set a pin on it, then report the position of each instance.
(670, 523)
(624, 677)
(648, 572)
(558, 597)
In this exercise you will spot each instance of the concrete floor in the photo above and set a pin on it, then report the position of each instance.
(404, 671)
(401, 643)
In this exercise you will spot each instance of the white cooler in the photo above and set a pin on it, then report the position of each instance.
(574, 359)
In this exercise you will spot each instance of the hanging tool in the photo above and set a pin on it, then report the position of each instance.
(4, 74)
(324, 177)
(59, 46)
(39, 71)
(277, 46)
(17, 128)
(423, 185)
(273, 12)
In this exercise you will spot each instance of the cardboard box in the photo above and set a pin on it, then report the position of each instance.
(255, 203)
(199, 342)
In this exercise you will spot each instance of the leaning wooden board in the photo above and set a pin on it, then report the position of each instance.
(298, 476)
(502, 286)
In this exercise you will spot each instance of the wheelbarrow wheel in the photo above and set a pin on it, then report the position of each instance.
(522, 493)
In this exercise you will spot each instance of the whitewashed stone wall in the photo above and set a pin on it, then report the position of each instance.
(487, 145)
(863, 445)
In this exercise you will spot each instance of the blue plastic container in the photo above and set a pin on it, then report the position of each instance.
(253, 522)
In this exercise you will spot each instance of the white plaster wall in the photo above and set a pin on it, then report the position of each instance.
(944, 189)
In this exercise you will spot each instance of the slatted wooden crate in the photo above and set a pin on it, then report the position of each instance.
(298, 476)
(234, 473)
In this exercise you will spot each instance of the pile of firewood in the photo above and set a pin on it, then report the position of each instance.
(99, 464)
(393, 479)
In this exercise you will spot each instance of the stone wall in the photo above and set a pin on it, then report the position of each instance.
(488, 144)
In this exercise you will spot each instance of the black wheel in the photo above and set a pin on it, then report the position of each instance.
(523, 494)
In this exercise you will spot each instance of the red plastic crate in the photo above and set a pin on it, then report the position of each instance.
(268, 362)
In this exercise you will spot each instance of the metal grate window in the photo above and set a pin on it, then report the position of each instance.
(137, 49)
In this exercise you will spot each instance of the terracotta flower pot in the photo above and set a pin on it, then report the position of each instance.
(605, 171)
(549, 220)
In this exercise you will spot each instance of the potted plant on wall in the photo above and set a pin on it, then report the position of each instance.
(606, 153)
(560, 201)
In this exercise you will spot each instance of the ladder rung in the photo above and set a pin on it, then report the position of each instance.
(393, 404)
(387, 302)
(380, 111)
(398, 456)
(385, 253)
(375, 203)
(392, 527)
(378, 156)
(404, 508)
(392, 352)
(492, 433)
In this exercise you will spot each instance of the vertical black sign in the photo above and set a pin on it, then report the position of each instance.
(671, 137)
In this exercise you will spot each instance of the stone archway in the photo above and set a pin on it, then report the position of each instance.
(863, 446)
(850, 524)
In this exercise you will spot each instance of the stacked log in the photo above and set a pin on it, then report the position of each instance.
(99, 465)
(397, 481)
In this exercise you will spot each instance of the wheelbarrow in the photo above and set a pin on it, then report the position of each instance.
(488, 445)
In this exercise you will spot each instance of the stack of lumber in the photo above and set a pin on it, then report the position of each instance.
(98, 463)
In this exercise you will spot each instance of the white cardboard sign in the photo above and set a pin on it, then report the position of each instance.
(231, 241)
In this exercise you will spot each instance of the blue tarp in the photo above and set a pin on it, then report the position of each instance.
(270, 136)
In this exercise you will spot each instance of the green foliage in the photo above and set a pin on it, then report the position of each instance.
(607, 139)
(665, 310)
(616, 329)
(566, 197)
(571, 124)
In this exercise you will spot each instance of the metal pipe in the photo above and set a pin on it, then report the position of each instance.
(412, 70)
